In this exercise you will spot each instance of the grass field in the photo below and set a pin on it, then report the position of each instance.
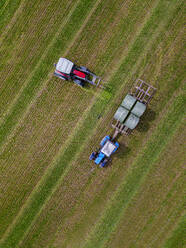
(48, 195)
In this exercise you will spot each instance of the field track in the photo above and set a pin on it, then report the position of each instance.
(49, 196)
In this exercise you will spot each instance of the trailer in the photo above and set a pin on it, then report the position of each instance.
(133, 106)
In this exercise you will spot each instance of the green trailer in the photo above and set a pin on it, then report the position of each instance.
(133, 106)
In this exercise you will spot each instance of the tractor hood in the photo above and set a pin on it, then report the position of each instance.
(64, 65)
(108, 148)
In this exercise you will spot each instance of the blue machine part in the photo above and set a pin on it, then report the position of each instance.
(99, 158)
(117, 146)
(92, 156)
(103, 141)
(107, 148)
(105, 161)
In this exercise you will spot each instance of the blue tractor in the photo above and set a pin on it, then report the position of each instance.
(102, 155)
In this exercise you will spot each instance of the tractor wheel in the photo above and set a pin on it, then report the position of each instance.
(104, 163)
(92, 156)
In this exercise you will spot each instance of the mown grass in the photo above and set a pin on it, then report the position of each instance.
(140, 168)
(27, 94)
(27, 44)
(177, 239)
(8, 155)
(56, 174)
(6, 12)
(169, 90)
(54, 177)
(41, 162)
(158, 198)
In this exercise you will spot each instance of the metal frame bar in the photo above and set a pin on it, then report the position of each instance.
(143, 91)
(119, 128)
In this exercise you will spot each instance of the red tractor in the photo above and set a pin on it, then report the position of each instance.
(67, 70)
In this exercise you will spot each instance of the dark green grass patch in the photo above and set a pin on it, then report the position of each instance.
(7, 11)
(177, 239)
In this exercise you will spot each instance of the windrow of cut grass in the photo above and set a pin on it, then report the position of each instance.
(139, 171)
(18, 12)
(35, 171)
(3, 4)
(160, 194)
(7, 10)
(177, 239)
(14, 40)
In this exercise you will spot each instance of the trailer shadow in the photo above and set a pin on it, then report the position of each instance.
(144, 123)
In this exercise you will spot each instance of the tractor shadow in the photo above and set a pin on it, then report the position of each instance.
(123, 151)
(145, 120)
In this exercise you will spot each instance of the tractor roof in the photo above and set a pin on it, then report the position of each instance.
(64, 65)
(108, 148)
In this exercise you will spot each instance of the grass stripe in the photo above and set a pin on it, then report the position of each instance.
(7, 12)
(140, 169)
(29, 60)
(3, 4)
(177, 239)
(12, 21)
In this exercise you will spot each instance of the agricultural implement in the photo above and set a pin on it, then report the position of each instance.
(67, 70)
(125, 119)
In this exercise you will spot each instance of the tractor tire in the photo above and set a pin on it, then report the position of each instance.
(92, 156)
(104, 163)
